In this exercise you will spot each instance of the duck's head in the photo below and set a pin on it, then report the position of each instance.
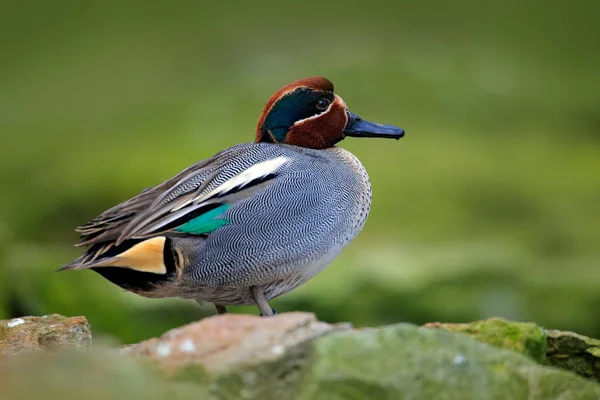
(307, 113)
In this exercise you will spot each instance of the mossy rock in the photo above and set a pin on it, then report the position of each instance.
(420, 363)
(566, 350)
(573, 352)
(523, 337)
(399, 361)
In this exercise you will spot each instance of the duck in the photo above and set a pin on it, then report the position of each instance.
(250, 223)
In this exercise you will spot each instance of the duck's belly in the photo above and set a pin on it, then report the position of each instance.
(233, 295)
(300, 272)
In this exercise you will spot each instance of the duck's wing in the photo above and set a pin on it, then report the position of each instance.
(190, 203)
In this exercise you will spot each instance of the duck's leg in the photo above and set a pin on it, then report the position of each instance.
(259, 298)
(221, 309)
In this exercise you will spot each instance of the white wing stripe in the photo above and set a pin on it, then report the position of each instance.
(254, 172)
(243, 178)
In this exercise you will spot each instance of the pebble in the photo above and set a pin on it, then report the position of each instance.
(15, 322)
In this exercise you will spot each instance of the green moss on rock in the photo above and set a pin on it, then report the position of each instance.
(574, 352)
(523, 337)
(565, 350)
(404, 361)
(399, 361)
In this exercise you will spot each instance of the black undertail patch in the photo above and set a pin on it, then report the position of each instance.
(138, 281)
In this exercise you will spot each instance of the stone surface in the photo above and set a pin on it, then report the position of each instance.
(395, 362)
(50, 332)
(523, 337)
(294, 356)
(565, 350)
(403, 361)
(219, 342)
(92, 375)
(574, 352)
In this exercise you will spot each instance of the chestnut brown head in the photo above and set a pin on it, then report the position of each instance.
(307, 113)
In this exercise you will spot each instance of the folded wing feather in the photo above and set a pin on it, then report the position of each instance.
(234, 189)
(191, 202)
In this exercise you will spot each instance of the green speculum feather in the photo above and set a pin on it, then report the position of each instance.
(205, 223)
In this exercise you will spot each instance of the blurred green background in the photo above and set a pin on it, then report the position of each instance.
(488, 207)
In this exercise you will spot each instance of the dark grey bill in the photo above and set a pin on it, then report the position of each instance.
(358, 127)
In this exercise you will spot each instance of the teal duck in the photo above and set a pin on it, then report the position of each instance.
(252, 222)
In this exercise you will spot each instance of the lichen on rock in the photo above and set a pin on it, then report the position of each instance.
(51, 332)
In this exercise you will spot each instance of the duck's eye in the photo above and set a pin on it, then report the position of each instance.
(323, 104)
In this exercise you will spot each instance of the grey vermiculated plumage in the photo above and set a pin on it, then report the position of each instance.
(287, 233)
(278, 237)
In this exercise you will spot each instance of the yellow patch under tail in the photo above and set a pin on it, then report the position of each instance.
(146, 256)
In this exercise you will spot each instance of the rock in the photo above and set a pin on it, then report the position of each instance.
(94, 374)
(317, 361)
(219, 342)
(293, 356)
(523, 337)
(399, 361)
(566, 350)
(50, 332)
(574, 352)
